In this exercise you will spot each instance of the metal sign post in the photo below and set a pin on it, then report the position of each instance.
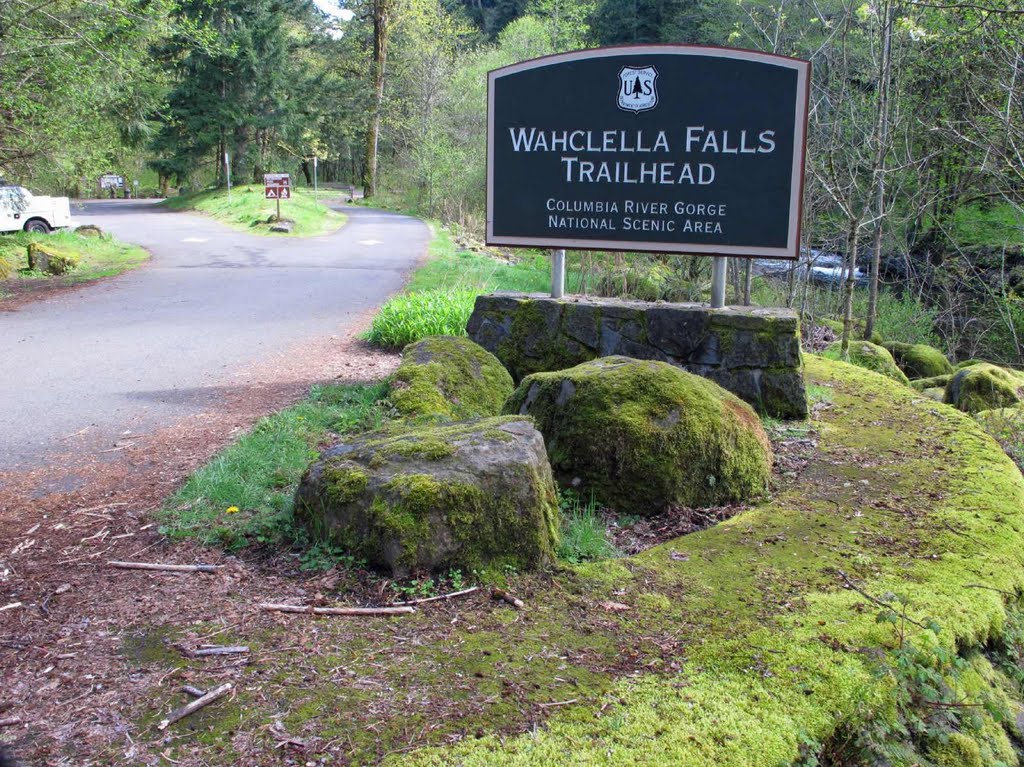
(227, 172)
(557, 273)
(315, 194)
(719, 268)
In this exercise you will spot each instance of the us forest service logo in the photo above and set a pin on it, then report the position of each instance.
(636, 89)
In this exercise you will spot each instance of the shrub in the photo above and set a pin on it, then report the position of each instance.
(584, 535)
(412, 317)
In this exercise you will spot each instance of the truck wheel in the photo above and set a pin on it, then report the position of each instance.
(38, 226)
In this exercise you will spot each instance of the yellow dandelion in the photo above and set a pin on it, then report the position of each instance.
(231, 510)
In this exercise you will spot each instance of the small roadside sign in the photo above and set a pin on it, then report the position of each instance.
(277, 186)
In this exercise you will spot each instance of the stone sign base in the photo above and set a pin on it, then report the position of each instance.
(752, 352)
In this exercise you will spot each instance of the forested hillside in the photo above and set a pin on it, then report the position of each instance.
(916, 159)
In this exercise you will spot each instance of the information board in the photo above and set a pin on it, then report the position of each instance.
(674, 149)
(277, 186)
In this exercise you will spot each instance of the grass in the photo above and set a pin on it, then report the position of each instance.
(440, 294)
(97, 256)
(249, 211)
(992, 225)
(584, 533)
(244, 495)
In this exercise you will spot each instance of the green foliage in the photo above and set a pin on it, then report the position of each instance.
(247, 209)
(449, 378)
(869, 356)
(244, 495)
(584, 533)
(96, 257)
(411, 317)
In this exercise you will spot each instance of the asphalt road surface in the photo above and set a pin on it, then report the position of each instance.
(144, 349)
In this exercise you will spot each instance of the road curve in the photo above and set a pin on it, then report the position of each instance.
(144, 349)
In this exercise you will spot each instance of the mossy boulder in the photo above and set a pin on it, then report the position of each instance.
(871, 356)
(956, 750)
(46, 258)
(936, 393)
(471, 495)
(919, 360)
(642, 435)
(451, 379)
(984, 387)
(931, 383)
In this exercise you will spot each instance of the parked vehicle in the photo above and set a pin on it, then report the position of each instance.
(817, 266)
(22, 210)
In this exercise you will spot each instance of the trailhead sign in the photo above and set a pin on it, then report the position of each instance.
(672, 149)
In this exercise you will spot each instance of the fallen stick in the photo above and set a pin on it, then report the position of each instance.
(336, 610)
(190, 708)
(557, 703)
(11, 606)
(195, 692)
(437, 598)
(169, 568)
(235, 650)
(504, 596)
(10, 721)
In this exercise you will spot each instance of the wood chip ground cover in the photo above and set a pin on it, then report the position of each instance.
(739, 643)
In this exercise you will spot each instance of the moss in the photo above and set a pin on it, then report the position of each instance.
(533, 346)
(782, 652)
(871, 357)
(936, 393)
(1004, 424)
(971, 363)
(642, 434)
(984, 387)
(46, 258)
(919, 360)
(450, 379)
(345, 481)
(959, 750)
(931, 383)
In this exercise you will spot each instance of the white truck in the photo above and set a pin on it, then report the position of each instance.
(22, 210)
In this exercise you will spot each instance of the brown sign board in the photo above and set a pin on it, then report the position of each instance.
(277, 186)
(661, 148)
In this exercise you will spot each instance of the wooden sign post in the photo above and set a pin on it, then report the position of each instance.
(277, 186)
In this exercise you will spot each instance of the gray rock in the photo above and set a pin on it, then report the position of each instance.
(468, 495)
(284, 227)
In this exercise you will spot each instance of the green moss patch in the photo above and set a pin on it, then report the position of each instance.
(984, 387)
(752, 643)
(869, 356)
(641, 435)
(450, 379)
(919, 360)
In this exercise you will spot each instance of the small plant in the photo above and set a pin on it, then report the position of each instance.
(415, 316)
(324, 555)
(584, 534)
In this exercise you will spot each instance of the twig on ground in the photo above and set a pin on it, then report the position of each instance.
(854, 587)
(195, 705)
(11, 606)
(990, 588)
(168, 568)
(437, 598)
(336, 610)
(504, 596)
(232, 650)
(195, 692)
(558, 703)
(10, 721)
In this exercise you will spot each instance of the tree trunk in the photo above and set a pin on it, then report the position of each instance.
(880, 154)
(381, 20)
(852, 238)
(747, 277)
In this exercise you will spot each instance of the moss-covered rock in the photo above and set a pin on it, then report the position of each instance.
(46, 258)
(937, 393)
(641, 435)
(984, 387)
(957, 750)
(970, 363)
(931, 383)
(470, 495)
(919, 360)
(451, 379)
(870, 356)
(836, 326)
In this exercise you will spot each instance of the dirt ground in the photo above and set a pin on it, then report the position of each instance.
(63, 611)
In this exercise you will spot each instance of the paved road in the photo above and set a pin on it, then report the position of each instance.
(149, 347)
